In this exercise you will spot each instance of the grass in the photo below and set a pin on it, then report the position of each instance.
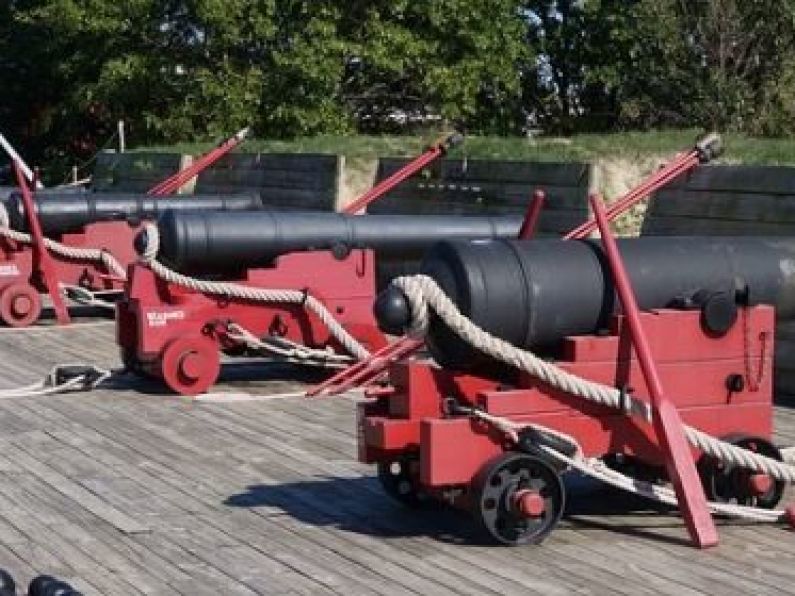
(583, 147)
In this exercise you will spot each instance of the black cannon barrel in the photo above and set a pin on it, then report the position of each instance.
(67, 212)
(209, 242)
(535, 293)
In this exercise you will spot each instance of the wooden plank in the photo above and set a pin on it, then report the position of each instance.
(545, 173)
(261, 497)
(490, 187)
(785, 330)
(725, 206)
(88, 501)
(256, 178)
(688, 226)
(565, 197)
(304, 198)
(300, 162)
(739, 178)
(785, 353)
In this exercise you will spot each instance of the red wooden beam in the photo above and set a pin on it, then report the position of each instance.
(530, 223)
(705, 150)
(667, 423)
(440, 148)
(173, 183)
(42, 259)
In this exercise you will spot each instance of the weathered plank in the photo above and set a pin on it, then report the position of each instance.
(491, 187)
(295, 181)
(135, 172)
(265, 497)
(739, 179)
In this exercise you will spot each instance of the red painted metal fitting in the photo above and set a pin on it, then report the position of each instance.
(192, 365)
(21, 305)
(789, 514)
(760, 484)
(529, 503)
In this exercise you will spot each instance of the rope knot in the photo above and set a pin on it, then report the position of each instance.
(415, 289)
(149, 242)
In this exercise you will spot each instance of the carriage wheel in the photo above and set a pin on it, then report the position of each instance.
(20, 305)
(727, 483)
(190, 365)
(400, 480)
(519, 499)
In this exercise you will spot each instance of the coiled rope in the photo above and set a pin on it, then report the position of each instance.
(91, 255)
(424, 294)
(241, 292)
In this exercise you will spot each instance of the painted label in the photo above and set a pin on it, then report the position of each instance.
(161, 319)
(9, 271)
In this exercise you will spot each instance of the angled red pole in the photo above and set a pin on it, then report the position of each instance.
(705, 150)
(437, 150)
(173, 183)
(667, 423)
(532, 216)
(41, 256)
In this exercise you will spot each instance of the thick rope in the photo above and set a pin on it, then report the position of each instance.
(87, 297)
(600, 471)
(91, 255)
(286, 350)
(241, 292)
(423, 294)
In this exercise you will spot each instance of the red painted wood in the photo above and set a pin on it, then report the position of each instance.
(667, 422)
(42, 259)
(530, 223)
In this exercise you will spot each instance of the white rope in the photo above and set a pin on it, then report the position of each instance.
(91, 255)
(423, 293)
(600, 471)
(286, 350)
(61, 379)
(241, 292)
(86, 297)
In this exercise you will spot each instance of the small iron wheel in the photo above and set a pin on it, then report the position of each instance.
(400, 480)
(20, 305)
(519, 499)
(190, 365)
(728, 483)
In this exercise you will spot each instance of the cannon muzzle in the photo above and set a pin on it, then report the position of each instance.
(69, 212)
(213, 242)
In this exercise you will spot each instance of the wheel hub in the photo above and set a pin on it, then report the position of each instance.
(760, 484)
(191, 365)
(519, 498)
(529, 503)
(21, 305)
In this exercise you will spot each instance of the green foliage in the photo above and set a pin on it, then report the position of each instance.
(632, 146)
(200, 69)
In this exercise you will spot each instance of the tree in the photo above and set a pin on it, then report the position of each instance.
(455, 59)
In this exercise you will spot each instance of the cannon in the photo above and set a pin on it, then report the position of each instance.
(91, 244)
(60, 213)
(173, 326)
(706, 308)
(531, 293)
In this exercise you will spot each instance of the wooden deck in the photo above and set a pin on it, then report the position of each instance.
(127, 491)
